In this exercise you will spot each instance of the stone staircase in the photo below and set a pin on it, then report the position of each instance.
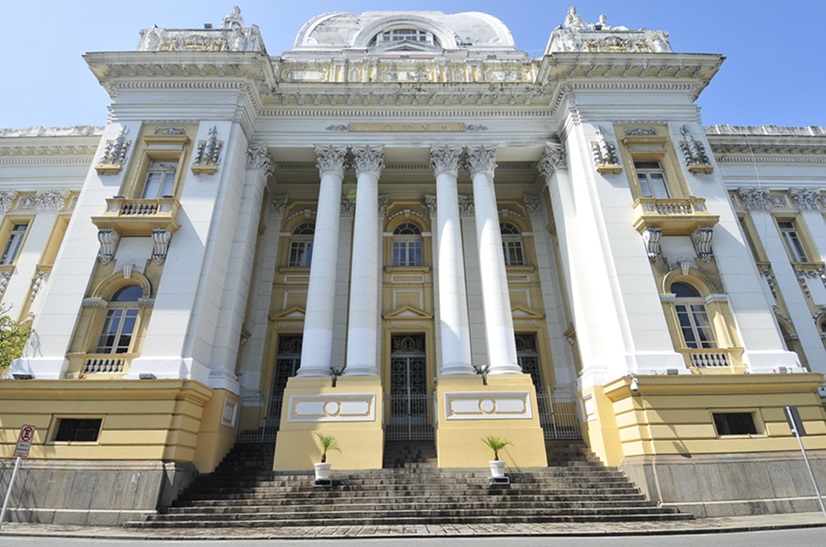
(410, 490)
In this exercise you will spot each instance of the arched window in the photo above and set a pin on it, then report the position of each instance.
(301, 246)
(120, 321)
(693, 317)
(512, 244)
(404, 35)
(407, 245)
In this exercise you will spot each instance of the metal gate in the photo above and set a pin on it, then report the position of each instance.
(409, 402)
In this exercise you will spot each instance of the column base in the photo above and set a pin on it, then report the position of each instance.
(470, 411)
(351, 412)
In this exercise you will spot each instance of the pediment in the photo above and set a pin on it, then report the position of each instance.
(407, 312)
(295, 312)
(522, 312)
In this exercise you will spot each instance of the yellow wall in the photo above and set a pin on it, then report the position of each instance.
(170, 420)
(672, 415)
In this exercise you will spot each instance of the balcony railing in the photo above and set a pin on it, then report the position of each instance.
(138, 217)
(675, 216)
(714, 360)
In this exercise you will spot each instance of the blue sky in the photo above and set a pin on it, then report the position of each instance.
(775, 72)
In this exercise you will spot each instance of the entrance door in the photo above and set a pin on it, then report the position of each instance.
(287, 362)
(408, 390)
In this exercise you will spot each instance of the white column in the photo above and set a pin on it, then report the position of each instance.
(321, 293)
(362, 330)
(453, 313)
(495, 297)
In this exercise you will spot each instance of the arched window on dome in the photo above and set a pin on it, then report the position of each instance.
(301, 246)
(404, 34)
(512, 244)
(119, 324)
(407, 245)
(692, 316)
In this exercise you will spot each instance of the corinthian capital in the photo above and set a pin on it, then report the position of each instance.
(445, 159)
(481, 159)
(553, 159)
(368, 159)
(331, 159)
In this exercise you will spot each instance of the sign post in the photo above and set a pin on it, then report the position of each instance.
(796, 425)
(24, 444)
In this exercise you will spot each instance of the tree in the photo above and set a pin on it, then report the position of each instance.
(13, 337)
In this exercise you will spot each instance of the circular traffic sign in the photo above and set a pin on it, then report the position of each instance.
(27, 433)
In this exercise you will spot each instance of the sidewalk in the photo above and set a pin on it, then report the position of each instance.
(699, 526)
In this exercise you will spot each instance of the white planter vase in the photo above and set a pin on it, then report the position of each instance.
(497, 469)
(322, 471)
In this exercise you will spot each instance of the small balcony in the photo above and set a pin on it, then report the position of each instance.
(138, 217)
(98, 365)
(674, 216)
(714, 360)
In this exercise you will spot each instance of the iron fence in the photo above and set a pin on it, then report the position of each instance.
(559, 414)
(259, 418)
(408, 418)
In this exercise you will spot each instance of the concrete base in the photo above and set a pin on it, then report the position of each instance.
(351, 412)
(94, 493)
(731, 484)
(469, 411)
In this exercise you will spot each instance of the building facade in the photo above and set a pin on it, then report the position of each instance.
(405, 228)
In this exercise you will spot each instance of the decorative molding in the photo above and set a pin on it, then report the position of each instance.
(208, 154)
(481, 159)
(605, 154)
(5, 277)
(331, 159)
(108, 239)
(694, 153)
(37, 283)
(348, 207)
(52, 200)
(487, 406)
(94, 303)
(160, 244)
(467, 208)
(40, 131)
(431, 203)
(356, 407)
(382, 205)
(278, 204)
(533, 204)
(554, 158)
(771, 281)
(445, 159)
(7, 199)
(807, 199)
(702, 238)
(640, 131)
(368, 159)
(652, 237)
(114, 154)
(753, 199)
(258, 157)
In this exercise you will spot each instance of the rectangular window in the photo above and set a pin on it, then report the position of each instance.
(652, 179)
(78, 429)
(734, 423)
(513, 253)
(301, 254)
(160, 179)
(695, 325)
(116, 335)
(13, 244)
(407, 253)
(791, 240)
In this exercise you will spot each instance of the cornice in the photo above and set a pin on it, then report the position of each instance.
(721, 158)
(564, 90)
(476, 95)
(405, 114)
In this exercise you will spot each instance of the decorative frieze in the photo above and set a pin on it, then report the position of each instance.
(208, 154)
(533, 204)
(702, 238)
(383, 205)
(5, 277)
(605, 154)
(431, 204)
(807, 199)
(652, 237)
(7, 199)
(348, 207)
(768, 275)
(114, 155)
(52, 200)
(160, 244)
(753, 199)
(694, 153)
(466, 206)
(37, 283)
(108, 239)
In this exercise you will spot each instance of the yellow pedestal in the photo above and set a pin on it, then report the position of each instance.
(470, 411)
(351, 412)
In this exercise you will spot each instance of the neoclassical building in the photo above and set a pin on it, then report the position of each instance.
(407, 229)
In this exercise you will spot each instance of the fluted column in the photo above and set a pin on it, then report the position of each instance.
(321, 293)
(362, 324)
(453, 312)
(495, 297)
